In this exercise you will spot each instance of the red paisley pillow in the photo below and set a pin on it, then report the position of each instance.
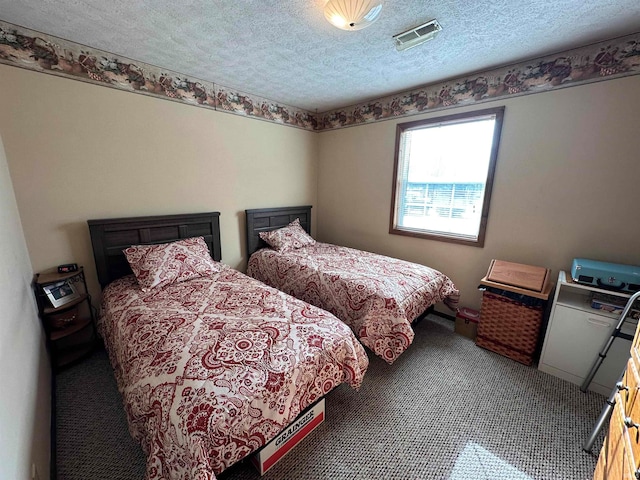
(160, 265)
(286, 238)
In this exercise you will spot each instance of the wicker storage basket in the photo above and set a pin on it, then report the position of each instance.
(509, 327)
(513, 306)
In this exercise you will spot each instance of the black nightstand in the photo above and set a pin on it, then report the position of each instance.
(64, 306)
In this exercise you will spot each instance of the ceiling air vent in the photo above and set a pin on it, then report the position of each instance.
(417, 35)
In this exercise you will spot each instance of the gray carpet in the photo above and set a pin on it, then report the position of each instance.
(445, 409)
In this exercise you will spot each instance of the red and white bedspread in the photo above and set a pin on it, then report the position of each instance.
(377, 296)
(213, 368)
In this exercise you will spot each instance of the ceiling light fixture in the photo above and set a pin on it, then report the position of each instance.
(352, 14)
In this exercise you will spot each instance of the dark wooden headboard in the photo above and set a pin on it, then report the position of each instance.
(265, 219)
(111, 236)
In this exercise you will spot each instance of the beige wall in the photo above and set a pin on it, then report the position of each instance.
(25, 376)
(567, 185)
(78, 151)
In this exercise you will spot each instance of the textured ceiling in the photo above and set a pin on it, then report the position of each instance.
(285, 50)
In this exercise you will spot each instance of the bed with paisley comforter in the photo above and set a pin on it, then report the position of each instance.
(211, 363)
(377, 296)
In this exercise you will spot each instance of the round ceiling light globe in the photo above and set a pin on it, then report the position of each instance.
(352, 14)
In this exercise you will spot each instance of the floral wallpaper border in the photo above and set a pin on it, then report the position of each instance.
(36, 51)
(32, 50)
(601, 61)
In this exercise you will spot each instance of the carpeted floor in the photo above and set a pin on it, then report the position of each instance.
(445, 409)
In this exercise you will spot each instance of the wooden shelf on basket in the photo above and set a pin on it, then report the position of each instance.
(544, 295)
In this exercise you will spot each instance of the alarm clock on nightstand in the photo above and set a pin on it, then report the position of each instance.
(68, 268)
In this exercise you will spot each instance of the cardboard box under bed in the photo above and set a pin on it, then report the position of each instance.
(291, 436)
(513, 305)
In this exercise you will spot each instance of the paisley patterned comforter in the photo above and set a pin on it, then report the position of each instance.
(377, 296)
(212, 368)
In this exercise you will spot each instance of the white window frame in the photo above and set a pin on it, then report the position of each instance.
(400, 182)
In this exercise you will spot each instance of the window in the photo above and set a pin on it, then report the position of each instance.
(443, 175)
